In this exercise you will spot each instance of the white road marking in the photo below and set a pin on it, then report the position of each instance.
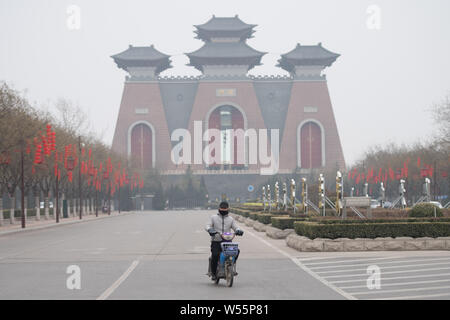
(389, 272)
(340, 261)
(378, 264)
(390, 267)
(119, 281)
(416, 297)
(393, 278)
(398, 284)
(303, 267)
(400, 290)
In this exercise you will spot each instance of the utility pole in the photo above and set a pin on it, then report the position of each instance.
(79, 176)
(22, 185)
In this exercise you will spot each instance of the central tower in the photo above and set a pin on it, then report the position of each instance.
(225, 52)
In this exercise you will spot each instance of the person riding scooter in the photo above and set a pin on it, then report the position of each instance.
(220, 223)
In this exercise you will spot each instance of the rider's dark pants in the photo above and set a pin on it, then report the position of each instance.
(216, 249)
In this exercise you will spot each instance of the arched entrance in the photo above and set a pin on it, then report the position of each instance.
(225, 118)
(141, 145)
(311, 147)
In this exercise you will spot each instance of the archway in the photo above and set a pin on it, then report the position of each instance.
(311, 145)
(141, 147)
(228, 119)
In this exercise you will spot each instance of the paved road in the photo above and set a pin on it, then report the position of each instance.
(163, 255)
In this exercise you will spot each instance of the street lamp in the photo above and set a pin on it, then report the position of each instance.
(70, 164)
(106, 177)
(92, 174)
(79, 176)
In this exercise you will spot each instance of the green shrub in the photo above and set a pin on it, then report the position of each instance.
(265, 218)
(253, 215)
(425, 210)
(392, 220)
(285, 222)
(314, 230)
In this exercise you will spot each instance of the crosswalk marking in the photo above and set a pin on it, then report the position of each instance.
(379, 264)
(389, 267)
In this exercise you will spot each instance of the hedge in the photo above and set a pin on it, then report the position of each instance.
(314, 230)
(285, 222)
(425, 210)
(266, 218)
(254, 215)
(393, 220)
(31, 212)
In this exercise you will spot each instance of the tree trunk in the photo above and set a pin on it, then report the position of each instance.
(1, 210)
(46, 208)
(37, 208)
(11, 211)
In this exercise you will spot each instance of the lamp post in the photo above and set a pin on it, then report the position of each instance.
(79, 178)
(22, 186)
(91, 174)
(106, 177)
(70, 164)
(57, 196)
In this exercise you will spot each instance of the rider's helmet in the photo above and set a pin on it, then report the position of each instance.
(223, 208)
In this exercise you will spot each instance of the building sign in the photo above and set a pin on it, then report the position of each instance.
(310, 109)
(141, 111)
(225, 92)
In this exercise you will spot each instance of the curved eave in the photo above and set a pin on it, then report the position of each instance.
(207, 35)
(160, 65)
(198, 63)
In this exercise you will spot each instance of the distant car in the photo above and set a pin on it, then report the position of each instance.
(387, 204)
(436, 203)
(374, 204)
(41, 205)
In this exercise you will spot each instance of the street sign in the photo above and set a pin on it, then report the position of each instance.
(250, 188)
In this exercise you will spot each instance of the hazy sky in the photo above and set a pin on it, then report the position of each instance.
(381, 87)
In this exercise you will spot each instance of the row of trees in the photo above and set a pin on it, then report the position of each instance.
(54, 157)
(412, 163)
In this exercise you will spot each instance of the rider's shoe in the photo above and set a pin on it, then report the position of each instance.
(213, 277)
(235, 273)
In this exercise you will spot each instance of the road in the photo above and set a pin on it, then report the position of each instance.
(163, 255)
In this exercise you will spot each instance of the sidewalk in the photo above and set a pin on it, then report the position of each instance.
(33, 224)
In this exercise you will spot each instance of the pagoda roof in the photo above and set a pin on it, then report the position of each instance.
(141, 57)
(224, 27)
(307, 55)
(225, 24)
(225, 53)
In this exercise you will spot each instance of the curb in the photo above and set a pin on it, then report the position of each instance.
(363, 244)
(53, 225)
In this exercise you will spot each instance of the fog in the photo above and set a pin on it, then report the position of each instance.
(382, 86)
